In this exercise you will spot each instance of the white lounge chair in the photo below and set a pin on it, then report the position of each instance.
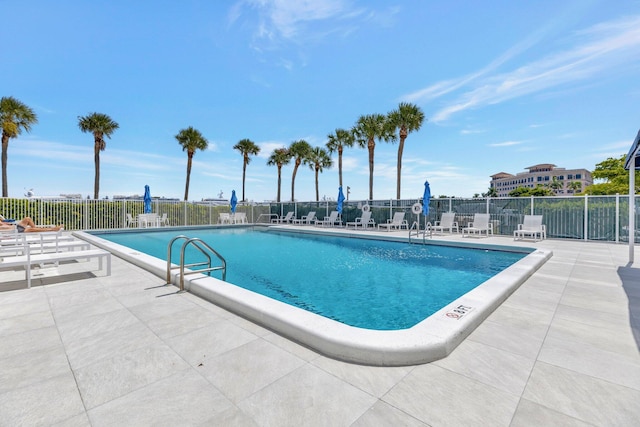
(306, 219)
(224, 218)
(131, 221)
(28, 260)
(397, 222)
(364, 221)
(329, 221)
(283, 219)
(447, 222)
(531, 226)
(239, 217)
(164, 220)
(479, 225)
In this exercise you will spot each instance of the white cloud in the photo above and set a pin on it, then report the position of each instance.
(599, 50)
(505, 144)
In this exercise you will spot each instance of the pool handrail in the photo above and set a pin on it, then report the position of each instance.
(195, 242)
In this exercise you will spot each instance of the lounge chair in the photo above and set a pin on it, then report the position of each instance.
(447, 222)
(531, 226)
(364, 221)
(283, 219)
(479, 225)
(239, 217)
(306, 219)
(329, 221)
(28, 260)
(224, 218)
(131, 221)
(164, 220)
(397, 222)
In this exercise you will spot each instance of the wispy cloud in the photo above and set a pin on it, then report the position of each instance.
(505, 144)
(597, 51)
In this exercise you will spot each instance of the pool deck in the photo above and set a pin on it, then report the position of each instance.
(81, 349)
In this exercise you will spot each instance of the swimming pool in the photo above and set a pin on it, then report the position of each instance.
(429, 339)
(377, 285)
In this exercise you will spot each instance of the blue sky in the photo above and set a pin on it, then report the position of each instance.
(504, 85)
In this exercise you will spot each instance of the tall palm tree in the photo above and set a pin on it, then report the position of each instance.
(247, 148)
(408, 118)
(100, 125)
(279, 158)
(318, 160)
(14, 118)
(298, 150)
(191, 140)
(337, 141)
(368, 128)
(556, 185)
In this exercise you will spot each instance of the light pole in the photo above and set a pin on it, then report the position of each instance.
(348, 191)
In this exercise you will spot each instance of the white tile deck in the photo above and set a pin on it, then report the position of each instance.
(84, 349)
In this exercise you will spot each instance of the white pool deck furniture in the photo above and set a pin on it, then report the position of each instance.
(28, 259)
(447, 222)
(532, 227)
(286, 219)
(330, 221)
(479, 226)
(396, 223)
(306, 219)
(363, 222)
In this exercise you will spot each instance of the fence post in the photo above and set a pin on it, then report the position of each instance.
(586, 217)
(617, 217)
(532, 199)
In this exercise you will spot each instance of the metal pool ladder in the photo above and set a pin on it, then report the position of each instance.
(201, 246)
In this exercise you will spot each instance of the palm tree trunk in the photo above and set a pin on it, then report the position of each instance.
(340, 165)
(5, 149)
(244, 172)
(400, 150)
(279, 182)
(186, 188)
(96, 160)
(293, 179)
(317, 192)
(372, 147)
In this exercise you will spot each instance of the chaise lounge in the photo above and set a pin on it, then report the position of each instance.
(479, 225)
(531, 226)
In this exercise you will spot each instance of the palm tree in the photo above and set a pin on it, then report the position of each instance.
(366, 130)
(247, 148)
(337, 141)
(298, 150)
(279, 157)
(191, 140)
(100, 125)
(318, 160)
(556, 185)
(575, 186)
(408, 118)
(14, 118)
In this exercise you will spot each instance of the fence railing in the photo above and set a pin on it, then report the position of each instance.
(604, 218)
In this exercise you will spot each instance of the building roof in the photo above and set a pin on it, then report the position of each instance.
(500, 175)
(633, 152)
(541, 166)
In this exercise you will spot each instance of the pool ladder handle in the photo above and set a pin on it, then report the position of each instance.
(414, 230)
(196, 243)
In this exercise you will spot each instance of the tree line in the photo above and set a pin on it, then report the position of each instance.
(16, 117)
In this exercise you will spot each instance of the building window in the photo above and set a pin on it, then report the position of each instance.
(578, 176)
(546, 178)
(569, 176)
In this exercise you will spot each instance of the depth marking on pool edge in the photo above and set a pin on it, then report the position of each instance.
(458, 312)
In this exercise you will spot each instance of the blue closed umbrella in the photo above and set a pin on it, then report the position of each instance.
(147, 199)
(340, 200)
(234, 201)
(425, 198)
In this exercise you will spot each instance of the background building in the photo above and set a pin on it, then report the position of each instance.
(562, 181)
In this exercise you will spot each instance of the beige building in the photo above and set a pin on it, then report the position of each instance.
(544, 174)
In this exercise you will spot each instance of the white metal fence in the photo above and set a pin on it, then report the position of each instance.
(603, 218)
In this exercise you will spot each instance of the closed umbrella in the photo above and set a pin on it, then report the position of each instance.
(147, 199)
(425, 198)
(234, 201)
(340, 200)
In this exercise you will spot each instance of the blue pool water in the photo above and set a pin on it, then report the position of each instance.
(365, 283)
